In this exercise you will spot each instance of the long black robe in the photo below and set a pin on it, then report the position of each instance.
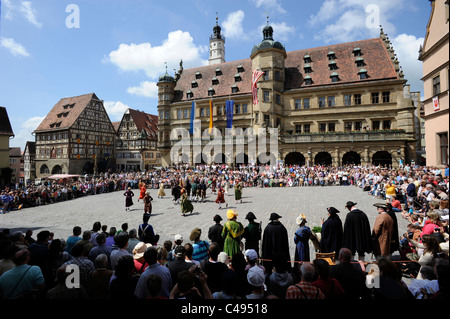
(331, 235)
(395, 240)
(357, 232)
(275, 240)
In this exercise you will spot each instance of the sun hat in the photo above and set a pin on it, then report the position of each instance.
(139, 250)
(300, 219)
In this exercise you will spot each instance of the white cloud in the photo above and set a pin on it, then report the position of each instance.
(12, 46)
(145, 88)
(345, 20)
(407, 49)
(281, 31)
(23, 135)
(269, 5)
(178, 46)
(29, 13)
(115, 109)
(233, 25)
(25, 8)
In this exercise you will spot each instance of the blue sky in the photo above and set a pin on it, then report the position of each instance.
(120, 47)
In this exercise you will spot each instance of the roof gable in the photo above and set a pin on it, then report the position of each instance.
(5, 124)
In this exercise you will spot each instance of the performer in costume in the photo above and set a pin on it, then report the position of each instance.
(161, 192)
(232, 232)
(252, 233)
(331, 233)
(147, 203)
(357, 232)
(186, 204)
(128, 198)
(275, 240)
(238, 192)
(220, 198)
(142, 190)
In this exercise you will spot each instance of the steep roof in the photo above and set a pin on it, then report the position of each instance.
(64, 114)
(376, 63)
(5, 124)
(146, 122)
(31, 145)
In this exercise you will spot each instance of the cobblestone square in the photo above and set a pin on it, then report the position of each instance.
(109, 209)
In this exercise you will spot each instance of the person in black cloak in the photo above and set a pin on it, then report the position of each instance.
(215, 232)
(357, 232)
(252, 233)
(275, 240)
(128, 198)
(176, 193)
(331, 233)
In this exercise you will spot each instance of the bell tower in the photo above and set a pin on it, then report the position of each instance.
(216, 45)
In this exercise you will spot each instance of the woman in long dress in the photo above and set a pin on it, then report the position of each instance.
(238, 192)
(142, 191)
(161, 192)
(128, 198)
(186, 204)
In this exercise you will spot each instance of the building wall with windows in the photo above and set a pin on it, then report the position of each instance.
(136, 143)
(434, 54)
(340, 104)
(76, 137)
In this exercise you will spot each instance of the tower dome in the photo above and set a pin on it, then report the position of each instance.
(166, 78)
(268, 42)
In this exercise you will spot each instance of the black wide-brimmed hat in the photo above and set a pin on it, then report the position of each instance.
(350, 204)
(381, 205)
(250, 215)
(274, 216)
(332, 210)
(217, 218)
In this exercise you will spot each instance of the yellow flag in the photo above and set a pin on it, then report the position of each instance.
(210, 116)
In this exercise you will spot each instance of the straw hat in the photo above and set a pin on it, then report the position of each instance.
(300, 219)
(139, 250)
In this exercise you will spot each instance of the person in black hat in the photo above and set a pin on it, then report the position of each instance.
(275, 240)
(215, 232)
(252, 233)
(332, 233)
(357, 234)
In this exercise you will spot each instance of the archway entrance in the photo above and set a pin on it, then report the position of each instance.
(295, 158)
(44, 169)
(351, 158)
(382, 158)
(57, 169)
(323, 158)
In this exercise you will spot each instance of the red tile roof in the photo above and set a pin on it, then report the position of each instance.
(64, 114)
(147, 122)
(377, 63)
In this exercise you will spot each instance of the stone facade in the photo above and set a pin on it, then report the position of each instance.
(340, 104)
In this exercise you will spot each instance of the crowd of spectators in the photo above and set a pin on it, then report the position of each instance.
(136, 264)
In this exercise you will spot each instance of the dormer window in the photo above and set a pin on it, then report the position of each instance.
(240, 68)
(218, 72)
(198, 75)
(357, 52)
(359, 62)
(308, 80)
(211, 91)
(331, 55)
(332, 64)
(234, 88)
(362, 74)
(189, 94)
(334, 77)
(237, 78)
(215, 81)
(194, 84)
(307, 58)
(307, 68)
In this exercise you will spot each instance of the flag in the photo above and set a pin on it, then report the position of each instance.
(436, 106)
(229, 110)
(255, 77)
(210, 116)
(191, 127)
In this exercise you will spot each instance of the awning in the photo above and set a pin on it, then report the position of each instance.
(62, 176)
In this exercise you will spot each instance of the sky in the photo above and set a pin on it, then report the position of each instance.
(117, 49)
